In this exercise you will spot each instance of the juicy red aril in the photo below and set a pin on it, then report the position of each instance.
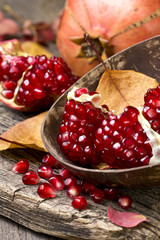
(88, 187)
(151, 109)
(79, 202)
(49, 160)
(111, 193)
(45, 171)
(57, 182)
(74, 191)
(70, 182)
(45, 190)
(97, 195)
(30, 178)
(81, 91)
(21, 167)
(65, 173)
(125, 201)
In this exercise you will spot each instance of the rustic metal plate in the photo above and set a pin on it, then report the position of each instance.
(143, 57)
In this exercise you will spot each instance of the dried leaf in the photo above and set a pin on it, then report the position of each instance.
(26, 133)
(132, 88)
(35, 49)
(125, 219)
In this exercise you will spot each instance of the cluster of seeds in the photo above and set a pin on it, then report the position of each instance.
(75, 188)
(34, 82)
(151, 109)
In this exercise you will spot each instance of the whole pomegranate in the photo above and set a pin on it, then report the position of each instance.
(30, 83)
(112, 26)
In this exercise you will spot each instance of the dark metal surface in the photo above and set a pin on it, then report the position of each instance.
(143, 57)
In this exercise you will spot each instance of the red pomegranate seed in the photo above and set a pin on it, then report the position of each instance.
(81, 91)
(57, 182)
(45, 190)
(74, 191)
(111, 193)
(65, 173)
(70, 182)
(49, 160)
(125, 201)
(97, 195)
(88, 187)
(79, 202)
(30, 178)
(45, 171)
(21, 167)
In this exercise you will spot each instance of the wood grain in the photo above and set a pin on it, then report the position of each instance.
(56, 217)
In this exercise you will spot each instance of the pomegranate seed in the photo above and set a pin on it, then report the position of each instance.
(70, 182)
(74, 191)
(45, 190)
(79, 202)
(65, 173)
(45, 171)
(88, 187)
(49, 160)
(125, 201)
(81, 91)
(111, 193)
(57, 182)
(30, 178)
(97, 195)
(21, 167)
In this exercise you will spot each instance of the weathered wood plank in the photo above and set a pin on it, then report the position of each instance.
(55, 216)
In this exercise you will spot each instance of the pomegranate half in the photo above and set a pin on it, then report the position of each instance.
(112, 26)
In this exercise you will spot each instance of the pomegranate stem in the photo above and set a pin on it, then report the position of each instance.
(86, 35)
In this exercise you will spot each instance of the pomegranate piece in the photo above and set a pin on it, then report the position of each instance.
(88, 187)
(97, 195)
(21, 167)
(151, 109)
(79, 202)
(30, 83)
(125, 201)
(49, 160)
(57, 182)
(30, 178)
(45, 190)
(74, 191)
(111, 193)
(70, 182)
(76, 133)
(45, 171)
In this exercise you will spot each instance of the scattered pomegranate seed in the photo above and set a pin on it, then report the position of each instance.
(88, 187)
(74, 191)
(49, 160)
(65, 173)
(125, 201)
(79, 202)
(70, 182)
(111, 193)
(45, 190)
(21, 167)
(57, 182)
(30, 178)
(45, 171)
(97, 195)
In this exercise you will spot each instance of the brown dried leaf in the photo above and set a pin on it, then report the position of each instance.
(26, 133)
(132, 85)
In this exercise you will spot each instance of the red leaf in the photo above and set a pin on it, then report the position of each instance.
(125, 219)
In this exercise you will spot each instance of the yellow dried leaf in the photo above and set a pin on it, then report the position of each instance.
(34, 49)
(132, 86)
(27, 133)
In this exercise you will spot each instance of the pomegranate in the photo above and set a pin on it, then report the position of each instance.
(125, 201)
(30, 83)
(112, 26)
(79, 202)
(90, 134)
(21, 167)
